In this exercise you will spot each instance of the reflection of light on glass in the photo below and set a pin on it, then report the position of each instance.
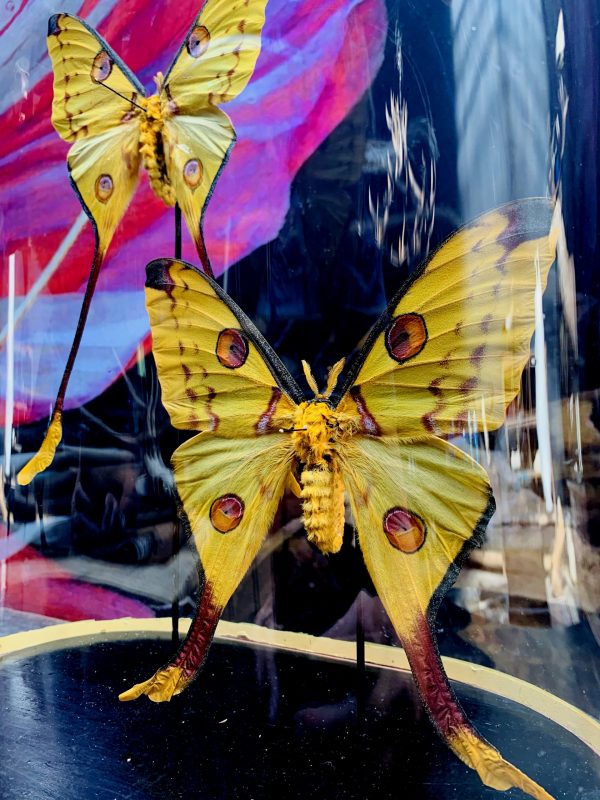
(22, 67)
(559, 43)
(8, 412)
(47, 272)
(10, 365)
(484, 429)
(416, 183)
(541, 393)
(502, 101)
(564, 259)
(557, 583)
(575, 422)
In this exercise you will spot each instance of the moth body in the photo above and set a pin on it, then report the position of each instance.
(152, 146)
(318, 432)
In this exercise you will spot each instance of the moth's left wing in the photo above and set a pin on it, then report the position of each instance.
(229, 490)
(218, 55)
(94, 108)
(419, 509)
(214, 64)
(217, 373)
(450, 349)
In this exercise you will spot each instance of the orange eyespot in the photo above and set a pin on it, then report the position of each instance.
(405, 337)
(192, 173)
(102, 67)
(232, 348)
(405, 531)
(226, 513)
(198, 41)
(104, 187)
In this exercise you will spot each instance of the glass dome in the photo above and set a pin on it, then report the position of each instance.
(373, 138)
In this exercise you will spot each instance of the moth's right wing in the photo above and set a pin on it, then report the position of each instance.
(218, 375)
(229, 490)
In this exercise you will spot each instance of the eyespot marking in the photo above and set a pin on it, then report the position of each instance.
(232, 348)
(405, 531)
(226, 513)
(104, 188)
(101, 67)
(405, 337)
(192, 172)
(198, 41)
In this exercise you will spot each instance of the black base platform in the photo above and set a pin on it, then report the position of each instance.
(256, 724)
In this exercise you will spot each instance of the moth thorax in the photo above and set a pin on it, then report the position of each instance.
(323, 506)
(315, 432)
(152, 149)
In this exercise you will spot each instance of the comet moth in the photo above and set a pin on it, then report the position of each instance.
(179, 135)
(449, 350)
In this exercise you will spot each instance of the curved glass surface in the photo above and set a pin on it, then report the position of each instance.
(368, 134)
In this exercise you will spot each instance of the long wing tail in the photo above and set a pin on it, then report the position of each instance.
(419, 508)
(45, 455)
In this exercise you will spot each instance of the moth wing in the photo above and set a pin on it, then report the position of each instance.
(229, 491)
(197, 149)
(451, 347)
(87, 74)
(218, 55)
(104, 170)
(217, 372)
(419, 509)
(93, 108)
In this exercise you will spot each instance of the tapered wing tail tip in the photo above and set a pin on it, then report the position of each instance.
(38, 464)
(25, 476)
(160, 688)
(130, 694)
(45, 455)
(147, 688)
(41, 461)
(511, 777)
(492, 768)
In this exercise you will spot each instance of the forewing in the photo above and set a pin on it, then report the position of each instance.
(87, 74)
(216, 371)
(229, 491)
(451, 347)
(94, 108)
(218, 55)
(419, 509)
(196, 149)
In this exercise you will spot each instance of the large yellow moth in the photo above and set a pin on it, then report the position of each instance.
(179, 134)
(446, 354)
